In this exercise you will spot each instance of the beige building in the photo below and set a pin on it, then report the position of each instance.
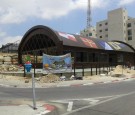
(131, 31)
(89, 32)
(117, 26)
(102, 29)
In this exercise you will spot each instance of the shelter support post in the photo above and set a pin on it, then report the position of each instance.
(82, 70)
(96, 69)
(91, 71)
(74, 69)
(24, 75)
(134, 60)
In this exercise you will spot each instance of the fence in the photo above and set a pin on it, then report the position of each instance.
(94, 68)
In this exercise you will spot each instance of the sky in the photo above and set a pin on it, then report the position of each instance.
(70, 16)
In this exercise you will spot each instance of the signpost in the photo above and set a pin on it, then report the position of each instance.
(33, 90)
(33, 86)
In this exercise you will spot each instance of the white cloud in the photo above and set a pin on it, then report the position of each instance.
(17, 11)
(11, 16)
(125, 2)
(4, 38)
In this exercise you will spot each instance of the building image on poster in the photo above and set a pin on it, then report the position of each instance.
(57, 64)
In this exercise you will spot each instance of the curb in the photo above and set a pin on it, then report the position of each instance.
(95, 83)
(77, 85)
(48, 109)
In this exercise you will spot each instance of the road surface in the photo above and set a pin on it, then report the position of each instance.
(100, 99)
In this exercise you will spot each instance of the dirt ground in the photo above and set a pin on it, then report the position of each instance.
(52, 78)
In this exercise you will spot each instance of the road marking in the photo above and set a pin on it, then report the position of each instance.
(85, 107)
(88, 84)
(4, 85)
(93, 101)
(44, 112)
(60, 101)
(63, 85)
(70, 105)
(107, 82)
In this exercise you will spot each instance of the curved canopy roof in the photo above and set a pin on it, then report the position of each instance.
(73, 40)
(88, 42)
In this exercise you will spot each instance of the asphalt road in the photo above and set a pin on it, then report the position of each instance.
(73, 92)
(113, 99)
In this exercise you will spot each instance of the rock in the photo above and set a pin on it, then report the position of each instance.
(102, 75)
(37, 79)
(26, 81)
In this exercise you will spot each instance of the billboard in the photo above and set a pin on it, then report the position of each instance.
(57, 64)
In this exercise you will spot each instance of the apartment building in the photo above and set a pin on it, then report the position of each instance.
(89, 32)
(131, 31)
(117, 26)
(102, 30)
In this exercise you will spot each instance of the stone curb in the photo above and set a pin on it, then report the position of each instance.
(76, 84)
(100, 82)
(48, 108)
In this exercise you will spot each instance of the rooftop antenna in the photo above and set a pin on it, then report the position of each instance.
(89, 14)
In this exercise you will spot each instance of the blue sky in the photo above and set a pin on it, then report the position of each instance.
(17, 16)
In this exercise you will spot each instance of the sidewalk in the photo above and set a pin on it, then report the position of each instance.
(42, 109)
(10, 82)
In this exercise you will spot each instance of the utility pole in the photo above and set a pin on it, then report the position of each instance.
(89, 14)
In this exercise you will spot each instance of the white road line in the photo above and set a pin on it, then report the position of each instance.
(91, 100)
(43, 112)
(85, 107)
(70, 105)
(88, 84)
(94, 101)
(60, 101)
(4, 85)
(63, 85)
(107, 82)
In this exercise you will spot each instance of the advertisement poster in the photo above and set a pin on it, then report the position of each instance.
(57, 64)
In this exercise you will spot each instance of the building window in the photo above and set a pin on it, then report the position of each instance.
(100, 30)
(129, 25)
(100, 24)
(130, 38)
(106, 23)
(86, 35)
(129, 32)
(106, 29)
(90, 34)
(100, 36)
(106, 35)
